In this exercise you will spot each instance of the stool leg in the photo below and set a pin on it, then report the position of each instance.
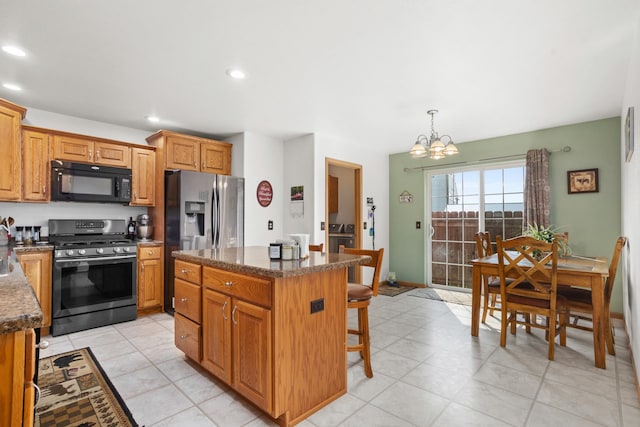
(363, 320)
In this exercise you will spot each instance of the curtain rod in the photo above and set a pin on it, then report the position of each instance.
(564, 149)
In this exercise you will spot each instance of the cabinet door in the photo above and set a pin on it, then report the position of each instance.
(72, 149)
(215, 157)
(37, 269)
(112, 154)
(333, 194)
(10, 136)
(35, 166)
(182, 153)
(150, 285)
(216, 334)
(143, 166)
(252, 352)
(187, 337)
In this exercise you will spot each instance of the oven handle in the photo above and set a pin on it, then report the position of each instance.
(108, 258)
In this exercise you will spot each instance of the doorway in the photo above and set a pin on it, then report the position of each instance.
(346, 178)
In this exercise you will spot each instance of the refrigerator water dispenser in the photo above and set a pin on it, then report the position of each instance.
(194, 219)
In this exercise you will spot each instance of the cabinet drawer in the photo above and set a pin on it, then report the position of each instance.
(149, 252)
(251, 289)
(188, 271)
(187, 337)
(188, 300)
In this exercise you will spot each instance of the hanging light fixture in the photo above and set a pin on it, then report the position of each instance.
(433, 145)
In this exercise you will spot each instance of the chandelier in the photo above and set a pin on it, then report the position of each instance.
(433, 145)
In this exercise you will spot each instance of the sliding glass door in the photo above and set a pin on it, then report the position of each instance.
(463, 202)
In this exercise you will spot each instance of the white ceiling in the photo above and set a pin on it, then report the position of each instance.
(363, 71)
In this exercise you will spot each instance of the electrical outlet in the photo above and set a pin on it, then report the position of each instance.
(270, 225)
(365, 225)
(418, 225)
(322, 226)
(317, 305)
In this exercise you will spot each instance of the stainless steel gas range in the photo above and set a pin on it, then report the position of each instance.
(94, 274)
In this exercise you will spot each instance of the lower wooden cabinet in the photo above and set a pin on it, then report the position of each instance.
(17, 368)
(187, 336)
(36, 267)
(150, 279)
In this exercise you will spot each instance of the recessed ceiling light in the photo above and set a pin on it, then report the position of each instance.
(236, 73)
(153, 119)
(14, 50)
(11, 86)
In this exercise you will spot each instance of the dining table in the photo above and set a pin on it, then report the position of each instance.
(579, 271)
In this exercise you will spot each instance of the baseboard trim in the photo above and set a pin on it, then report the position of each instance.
(411, 284)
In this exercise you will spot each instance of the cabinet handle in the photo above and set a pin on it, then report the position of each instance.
(183, 299)
(44, 189)
(90, 155)
(43, 345)
(184, 271)
(223, 307)
(228, 283)
(37, 391)
(142, 267)
(195, 164)
(183, 337)
(233, 315)
(150, 252)
(97, 154)
(135, 195)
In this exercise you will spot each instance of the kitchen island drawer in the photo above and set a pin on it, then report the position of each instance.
(188, 300)
(187, 337)
(149, 252)
(188, 271)
(248, 288)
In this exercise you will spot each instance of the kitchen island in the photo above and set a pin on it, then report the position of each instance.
(275, 331)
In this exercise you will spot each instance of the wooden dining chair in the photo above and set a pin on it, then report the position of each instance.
(359, 297)
(579, 299)
(490, 284)
(533, 290)
(316, 248)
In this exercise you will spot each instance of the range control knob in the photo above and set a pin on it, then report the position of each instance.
(99, 250)
(126, 249)
(116, 250)
(82, 251)
(69, 252)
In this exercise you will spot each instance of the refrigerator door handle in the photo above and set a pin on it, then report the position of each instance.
(215, 214)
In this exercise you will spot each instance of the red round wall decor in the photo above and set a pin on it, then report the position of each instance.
(264, 193)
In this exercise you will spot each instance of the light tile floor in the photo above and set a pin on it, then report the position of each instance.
(428, 371)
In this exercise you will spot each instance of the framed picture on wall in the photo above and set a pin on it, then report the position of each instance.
(628, 135)
(582, 181)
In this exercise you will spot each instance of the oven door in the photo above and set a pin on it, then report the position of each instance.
(84, 285)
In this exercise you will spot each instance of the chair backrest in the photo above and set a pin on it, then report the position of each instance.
(613, 266)
(316, 248)
(525, 259)
(375, 263)
(483, 244)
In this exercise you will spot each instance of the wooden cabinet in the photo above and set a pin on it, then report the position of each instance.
(11, 116)
(78, 148)
(17, 368)
(236, 333)
(191, 153)
(36, 168)
(143, 166)
(333, 194)
(150, 279)
(188, 309)
(36, 267)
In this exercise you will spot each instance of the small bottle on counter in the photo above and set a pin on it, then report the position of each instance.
(131, 229)
(28, 236)
(36, 234)
(19, 235)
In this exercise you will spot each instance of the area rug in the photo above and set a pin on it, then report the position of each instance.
(456, 297)
(75, 391)
(392, 291)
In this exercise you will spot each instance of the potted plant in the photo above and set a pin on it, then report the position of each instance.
(547, 234)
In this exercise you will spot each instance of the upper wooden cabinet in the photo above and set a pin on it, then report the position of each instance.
(35, 166)
(192, 153)
(143, 166)
(11, 116)
(78, 148)
(333, 194)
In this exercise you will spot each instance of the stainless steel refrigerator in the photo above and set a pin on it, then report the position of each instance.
(202, 211)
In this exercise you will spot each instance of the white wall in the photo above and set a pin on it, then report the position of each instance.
(375, 183)
(298, 170)
(39, 213)
(263, 160)
(630, 265)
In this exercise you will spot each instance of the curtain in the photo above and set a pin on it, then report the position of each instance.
(537, 189)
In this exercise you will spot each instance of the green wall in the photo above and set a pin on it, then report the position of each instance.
(592, 219)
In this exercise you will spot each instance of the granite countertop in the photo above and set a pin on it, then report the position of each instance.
(19, 308)
(255, 260)
(144, 243)
(41, 247)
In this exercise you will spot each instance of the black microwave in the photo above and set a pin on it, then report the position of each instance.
(80, 182)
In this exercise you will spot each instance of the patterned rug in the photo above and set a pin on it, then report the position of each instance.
(456, 297)
(392, 291)
(76, 392)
